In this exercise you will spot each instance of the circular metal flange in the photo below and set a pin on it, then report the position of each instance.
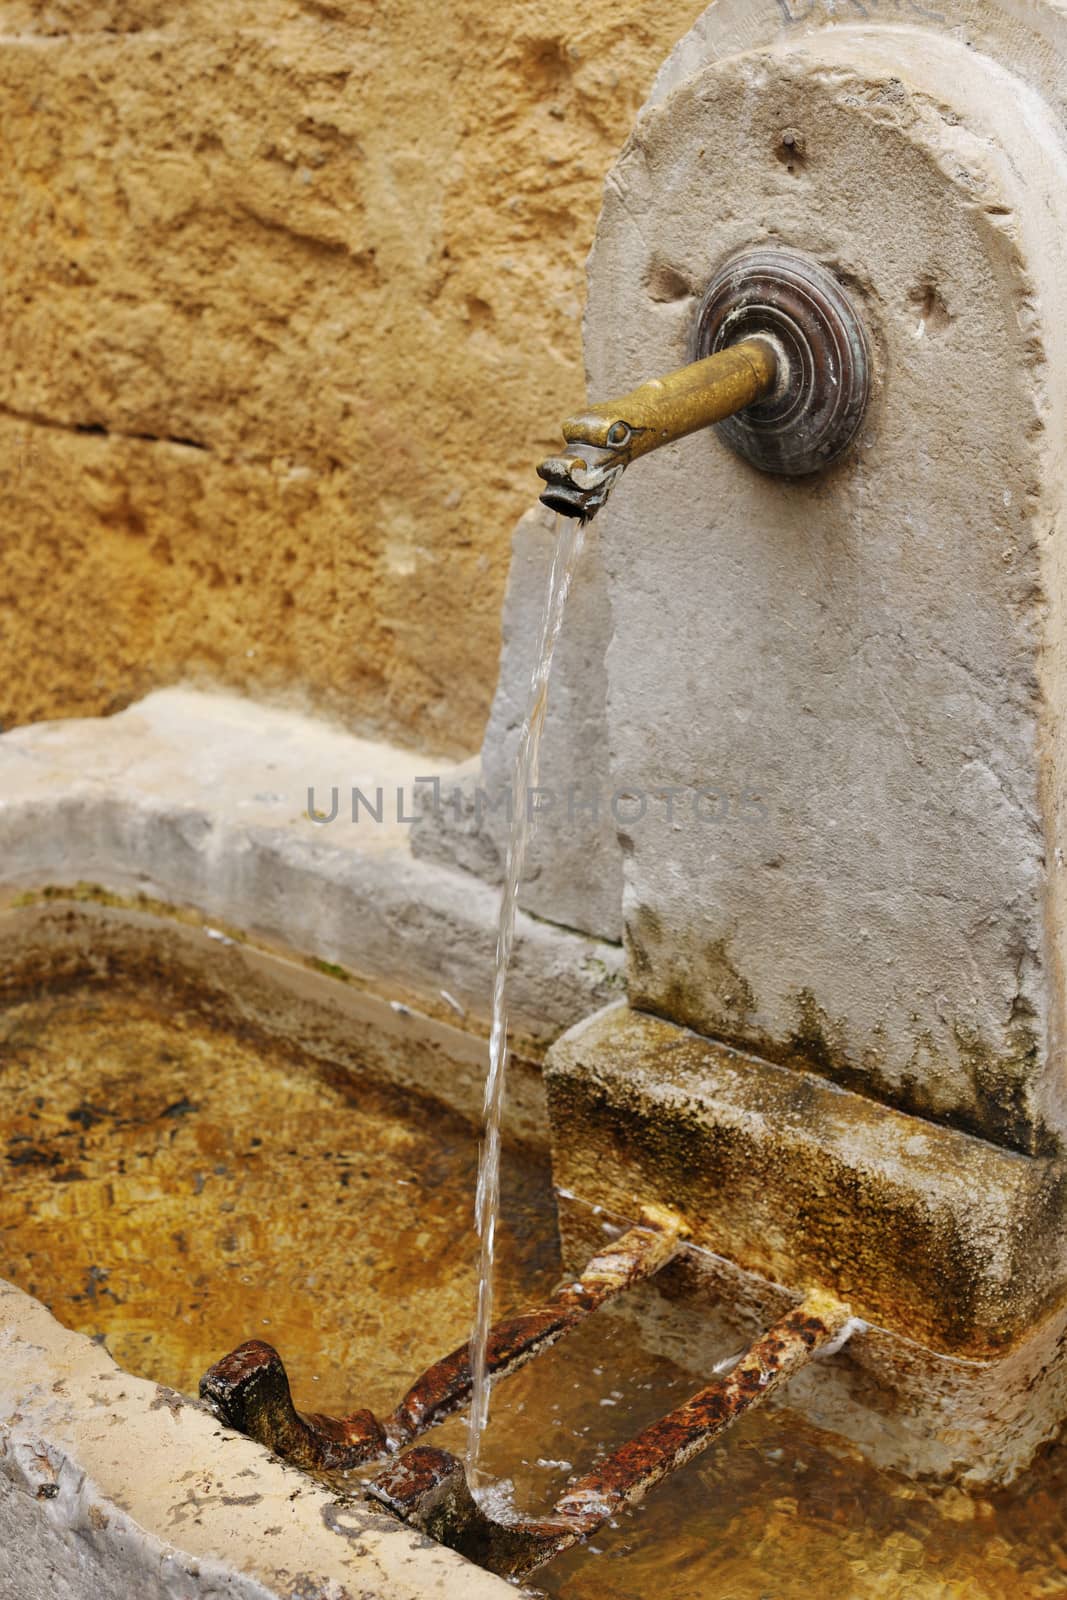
(824, 357)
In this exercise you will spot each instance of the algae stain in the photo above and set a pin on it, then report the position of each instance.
(330, 969)
(601, 974)
(733, 994)
(711, 996)
(708, 993)
(1001, 1081)
(815, 1036)
(83, 893)
(643, 935)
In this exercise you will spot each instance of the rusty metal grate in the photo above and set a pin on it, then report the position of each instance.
(249, 1391)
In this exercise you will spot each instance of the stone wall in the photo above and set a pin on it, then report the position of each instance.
(289, 308)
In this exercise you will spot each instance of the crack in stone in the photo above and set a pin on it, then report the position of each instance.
(31, 36)
(100, 429)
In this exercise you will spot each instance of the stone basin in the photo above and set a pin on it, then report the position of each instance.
(179, 1179)
(154, 1025)
(162, 867)
(182, 1175)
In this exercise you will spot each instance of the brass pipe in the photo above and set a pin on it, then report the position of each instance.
(605, 439)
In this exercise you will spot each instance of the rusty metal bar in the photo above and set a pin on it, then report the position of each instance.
(249, 1391)
(249, 1388)
(445, 1388)
(626, 1477)
(428, 1488)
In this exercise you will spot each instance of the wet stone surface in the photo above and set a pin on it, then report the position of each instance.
(174, 1185)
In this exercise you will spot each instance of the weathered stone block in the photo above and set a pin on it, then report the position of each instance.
(865, 667)
(926, 1231)
(337, 247)
(949, 1249)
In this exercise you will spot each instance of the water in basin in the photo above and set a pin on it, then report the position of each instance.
(175, 1186)
(177, 1183)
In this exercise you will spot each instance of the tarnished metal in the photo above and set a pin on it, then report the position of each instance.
(249, 1391)
(815, 410)
(605, 439)
(428, 1488)
(249, 1388)
(626, 1477)
(781, 368)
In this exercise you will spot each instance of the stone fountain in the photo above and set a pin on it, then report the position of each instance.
(794, 941)
(806, 746)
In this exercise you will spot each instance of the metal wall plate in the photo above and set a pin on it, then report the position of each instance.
(814, 414)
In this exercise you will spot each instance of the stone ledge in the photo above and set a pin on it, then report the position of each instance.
(200, 800)
(950, 1250)
(928, 1232)
(111, 1486)
(930, 1416)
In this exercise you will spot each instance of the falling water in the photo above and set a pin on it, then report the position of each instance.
(569, 538)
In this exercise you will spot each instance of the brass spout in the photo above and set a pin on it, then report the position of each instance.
(603, 441)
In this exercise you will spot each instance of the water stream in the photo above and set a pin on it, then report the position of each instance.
(569, 538)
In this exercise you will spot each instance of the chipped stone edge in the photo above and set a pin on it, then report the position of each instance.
(1031, 37)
